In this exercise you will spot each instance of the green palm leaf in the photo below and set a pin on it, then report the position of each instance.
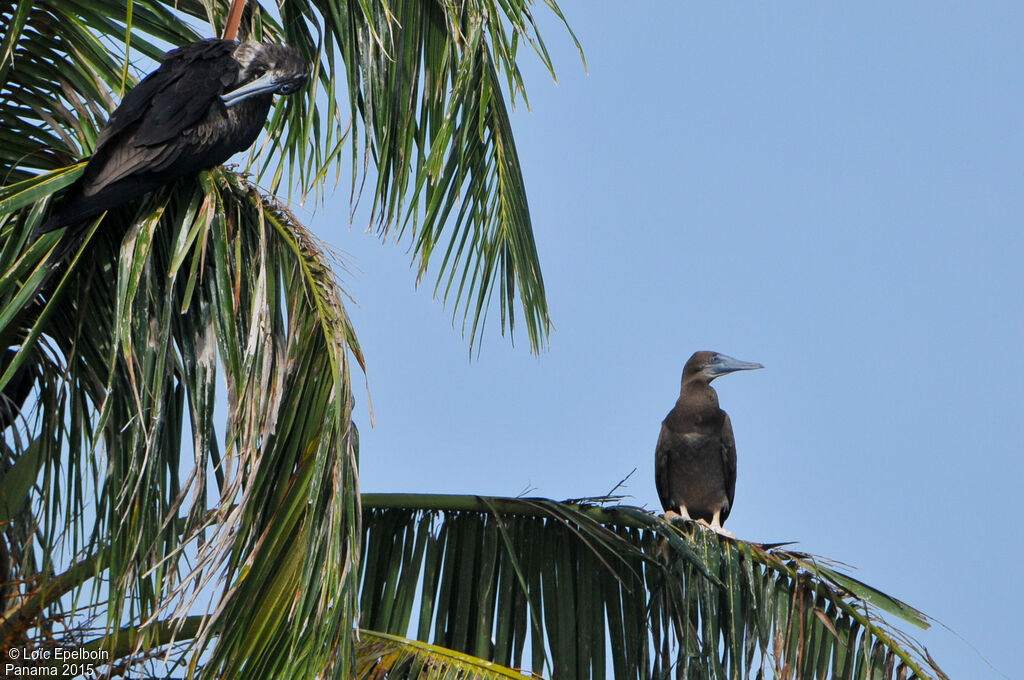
(211, 282)
(140, 510)
(577, 590)
(379, 655)
(423, 93)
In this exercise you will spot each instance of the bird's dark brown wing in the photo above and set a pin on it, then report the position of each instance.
(184, 101)
(662, 470)
(145, 132)
(728, 463)
(171, 124)
(176, 95)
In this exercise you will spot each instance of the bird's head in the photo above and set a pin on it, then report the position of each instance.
(265, 68)
(710, 365)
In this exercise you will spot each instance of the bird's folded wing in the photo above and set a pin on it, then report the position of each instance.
(177, 95)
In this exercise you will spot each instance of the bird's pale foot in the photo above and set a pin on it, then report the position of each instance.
(716, 526)
(682, 514)
(722, 531)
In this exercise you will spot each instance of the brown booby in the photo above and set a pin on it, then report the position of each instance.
(695, 460)
(207, 101)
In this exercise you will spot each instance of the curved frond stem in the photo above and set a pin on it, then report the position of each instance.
(234, 19)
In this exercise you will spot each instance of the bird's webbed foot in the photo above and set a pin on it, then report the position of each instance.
(716, 526)
(721, 531)
(682, 514)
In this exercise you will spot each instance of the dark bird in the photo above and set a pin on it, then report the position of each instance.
(206, 102)
(695, 460)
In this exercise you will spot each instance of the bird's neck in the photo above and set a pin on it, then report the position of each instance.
(697, 406)
(247, 118)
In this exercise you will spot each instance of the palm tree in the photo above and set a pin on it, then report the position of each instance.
(136, 531)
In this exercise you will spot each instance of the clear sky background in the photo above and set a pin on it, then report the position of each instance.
(834, 191)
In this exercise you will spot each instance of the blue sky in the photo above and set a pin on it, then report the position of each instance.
(834, 191)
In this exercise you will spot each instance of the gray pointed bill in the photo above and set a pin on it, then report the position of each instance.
(721, 364)
(268, 83)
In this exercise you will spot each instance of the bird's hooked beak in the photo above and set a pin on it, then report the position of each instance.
(721, 364)
(268, 83)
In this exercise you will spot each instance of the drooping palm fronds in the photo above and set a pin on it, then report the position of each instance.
(429, 81)
(126, 510)
(211, 284)
(423, 88)
(572, 590)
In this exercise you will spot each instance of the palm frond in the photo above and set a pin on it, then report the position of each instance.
(380, 656)
(423, 88)
(208, 275)
(137, 513)
(426, 79)
(582, 591)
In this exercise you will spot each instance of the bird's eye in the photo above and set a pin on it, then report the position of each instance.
(259, 72)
